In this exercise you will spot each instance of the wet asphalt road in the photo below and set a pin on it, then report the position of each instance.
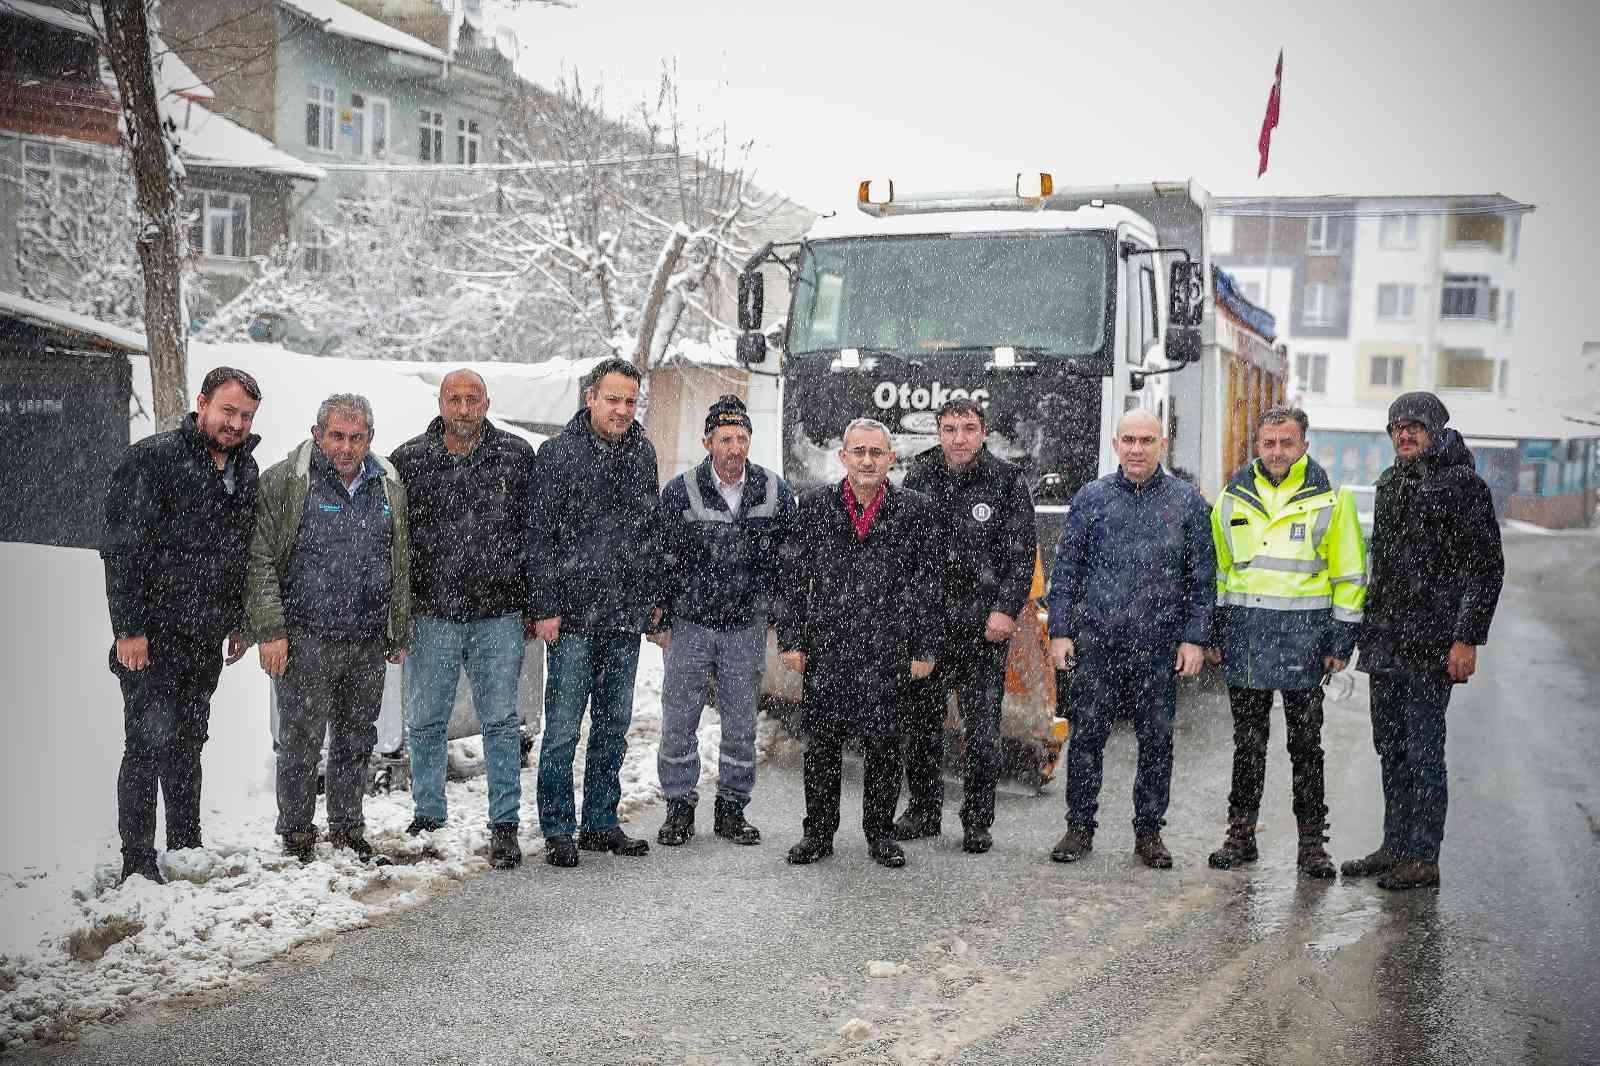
(714, 953)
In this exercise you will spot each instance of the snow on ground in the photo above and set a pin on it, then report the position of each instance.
(77, 949)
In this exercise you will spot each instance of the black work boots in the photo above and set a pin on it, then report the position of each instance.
(1073, 845)
(730, 823)
(1239, 846)
(504, 851)
(1312, 858)
(679, 826)
(144, 866)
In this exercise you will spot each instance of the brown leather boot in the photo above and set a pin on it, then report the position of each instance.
(1073, 845)
(1239, 846)
(1313, 858)
(1408, 873)
(1379, 862)
(1148, 846)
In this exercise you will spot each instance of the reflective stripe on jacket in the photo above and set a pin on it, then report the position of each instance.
(1291, 575)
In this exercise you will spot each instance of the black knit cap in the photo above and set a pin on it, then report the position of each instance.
(1421, 407)
(729, 410)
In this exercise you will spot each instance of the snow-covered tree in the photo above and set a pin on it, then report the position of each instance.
(77, 232)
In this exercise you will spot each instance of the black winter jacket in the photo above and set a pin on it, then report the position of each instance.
(720, 570)
(1436, 565)
(468, 519)
(860, 609)
(176, 542)
(986, 535)
(593, 538)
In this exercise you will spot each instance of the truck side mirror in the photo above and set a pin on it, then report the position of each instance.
(1186, 295)
(752, 300)
(751, 349)
(1183, 344)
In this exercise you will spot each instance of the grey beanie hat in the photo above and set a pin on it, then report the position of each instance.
(1422, 407)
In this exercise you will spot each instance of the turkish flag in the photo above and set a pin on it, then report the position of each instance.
(1269, 121)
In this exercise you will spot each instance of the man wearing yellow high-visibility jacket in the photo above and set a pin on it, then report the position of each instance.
(1291, 582)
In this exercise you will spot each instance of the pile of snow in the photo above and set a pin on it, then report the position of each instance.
(77, 949)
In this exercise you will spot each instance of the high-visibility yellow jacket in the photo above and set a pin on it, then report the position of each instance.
(1291, 575)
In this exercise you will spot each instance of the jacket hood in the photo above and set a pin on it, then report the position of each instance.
(1450, 450)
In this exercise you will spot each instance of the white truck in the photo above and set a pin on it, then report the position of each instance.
(1057, 308)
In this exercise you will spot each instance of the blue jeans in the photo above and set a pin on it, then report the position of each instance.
(593, 670)
(1408, 711)
(1138, 681)
(736, 657)
(491, 649)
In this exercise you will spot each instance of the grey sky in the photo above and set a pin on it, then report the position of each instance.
(1378, 97)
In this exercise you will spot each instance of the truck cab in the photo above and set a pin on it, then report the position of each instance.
(1051, 308)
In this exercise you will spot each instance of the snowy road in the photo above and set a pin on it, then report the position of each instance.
(714, 953)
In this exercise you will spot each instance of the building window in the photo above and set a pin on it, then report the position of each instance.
(1398, 231)
(354, 123)
(1311, 372)
(31, 50)
(1251, 290)
(1504, 374)
(1466, 368)
(1317, 305)
(1320, 238)
(1511, 309)
(469, 141)
(430, 136)
(1469, 296)
(314, 245)
(378, 124)
(218, 224)
(319, 116)
(1388, 372)
(51, 169)
(1397, 301)
(1475, 231)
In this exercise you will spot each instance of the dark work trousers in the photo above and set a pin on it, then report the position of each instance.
(1408, 730)
(976, 672)
(166, 712)
(332, 687)
(837, 707)
(1252, 717)
(1137, 681)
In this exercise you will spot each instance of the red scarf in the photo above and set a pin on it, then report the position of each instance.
(862, 518)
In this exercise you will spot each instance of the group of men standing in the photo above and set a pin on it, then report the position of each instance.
(887, 599)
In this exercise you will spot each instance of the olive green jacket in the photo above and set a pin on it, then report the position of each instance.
(280, 505)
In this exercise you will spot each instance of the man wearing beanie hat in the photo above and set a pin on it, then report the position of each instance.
(722, 523)
(1436, 571)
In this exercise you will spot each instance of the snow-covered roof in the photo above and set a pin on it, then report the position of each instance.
(99, 333)
(173, 74)
(859, 224)
(341, 20)
(208, 139)
(1488, 419)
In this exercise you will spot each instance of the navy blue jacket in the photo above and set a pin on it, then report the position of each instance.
(593, 538)
(340, 582)
(1135, 564)
(720, 570)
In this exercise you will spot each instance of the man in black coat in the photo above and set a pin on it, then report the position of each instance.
(858, 613)
(179, 516)
(987, 543)
(467, 487)
(1436, 572)
(593, 561)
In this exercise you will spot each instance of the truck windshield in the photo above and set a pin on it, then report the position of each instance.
(948, 292)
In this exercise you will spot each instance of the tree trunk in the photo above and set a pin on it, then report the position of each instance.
(658, 294)
(156, 173)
